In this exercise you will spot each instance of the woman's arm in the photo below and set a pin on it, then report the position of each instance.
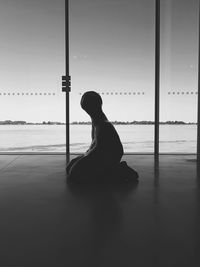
(97, 143)
(93, 140)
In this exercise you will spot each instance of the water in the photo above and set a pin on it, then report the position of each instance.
(135, 138)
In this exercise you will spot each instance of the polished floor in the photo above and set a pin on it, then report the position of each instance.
(45, 222)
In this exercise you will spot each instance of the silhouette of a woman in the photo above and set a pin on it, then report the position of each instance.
(103, 157)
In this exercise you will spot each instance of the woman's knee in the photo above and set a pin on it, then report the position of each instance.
(75, 175)
(79, 166)
(72, 162)
(81, 170)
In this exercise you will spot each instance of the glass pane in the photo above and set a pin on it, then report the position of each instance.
(112, 53)
(179, 58)
(32, 62)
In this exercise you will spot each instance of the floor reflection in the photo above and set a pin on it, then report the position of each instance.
(105, 216)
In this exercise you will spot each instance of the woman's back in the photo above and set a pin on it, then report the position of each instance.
(107, 141)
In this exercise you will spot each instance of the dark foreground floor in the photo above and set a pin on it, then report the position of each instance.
(44, 222)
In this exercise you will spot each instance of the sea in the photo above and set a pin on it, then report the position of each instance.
(135, 138)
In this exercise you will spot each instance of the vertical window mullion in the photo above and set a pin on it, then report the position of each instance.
(67, 75)
(198, 111)
(157, 76)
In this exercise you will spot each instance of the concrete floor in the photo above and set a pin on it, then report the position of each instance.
(45, 222)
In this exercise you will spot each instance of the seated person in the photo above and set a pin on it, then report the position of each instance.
(102, 160)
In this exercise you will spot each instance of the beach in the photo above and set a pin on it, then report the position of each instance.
(135, 138)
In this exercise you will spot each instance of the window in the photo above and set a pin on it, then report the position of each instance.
(112, 53)
(32, 62)
(179, 76)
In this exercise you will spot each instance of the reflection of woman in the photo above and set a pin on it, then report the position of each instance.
(103, 221)
(106, 150)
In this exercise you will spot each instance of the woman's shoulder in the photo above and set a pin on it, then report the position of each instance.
(105, 126)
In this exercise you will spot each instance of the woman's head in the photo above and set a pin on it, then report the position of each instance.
(91, 102)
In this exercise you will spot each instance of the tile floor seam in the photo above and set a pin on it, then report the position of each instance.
(5, 167)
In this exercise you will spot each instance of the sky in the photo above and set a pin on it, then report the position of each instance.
(111, 52)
